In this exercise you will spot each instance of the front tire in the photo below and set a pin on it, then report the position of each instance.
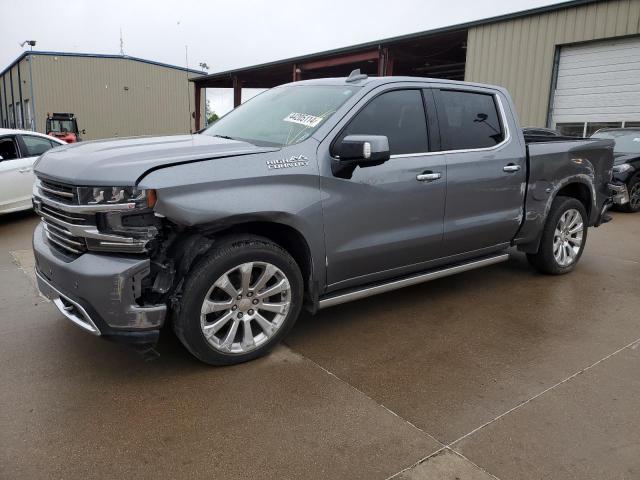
(563, 237)
(239, 301)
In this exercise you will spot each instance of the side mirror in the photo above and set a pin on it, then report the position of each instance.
(84, 132)
(359, 151)
(365, 149)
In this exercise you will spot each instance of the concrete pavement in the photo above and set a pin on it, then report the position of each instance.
(496, 373)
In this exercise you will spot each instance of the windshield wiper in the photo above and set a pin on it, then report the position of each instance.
(226, 137)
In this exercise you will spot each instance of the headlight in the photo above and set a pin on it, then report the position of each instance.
(623, 167)
(115, 195)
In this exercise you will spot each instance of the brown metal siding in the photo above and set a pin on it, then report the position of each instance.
(154, 103)
(518, 54)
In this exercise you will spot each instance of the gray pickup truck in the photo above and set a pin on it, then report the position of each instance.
(310, 195)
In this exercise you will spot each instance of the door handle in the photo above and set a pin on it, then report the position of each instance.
(25, 170)
(428, 176)
(511, 168)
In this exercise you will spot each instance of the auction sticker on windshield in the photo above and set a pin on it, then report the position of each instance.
(303, 119)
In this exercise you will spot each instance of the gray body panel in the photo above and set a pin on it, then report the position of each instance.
(379, 224)
(124, 161)
(556, 164)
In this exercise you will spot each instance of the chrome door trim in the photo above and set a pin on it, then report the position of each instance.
(428, 177)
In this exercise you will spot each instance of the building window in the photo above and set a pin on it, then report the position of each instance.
(468, 120)
(571, 129)
(19, 123)
(593, 127)
(28, 124)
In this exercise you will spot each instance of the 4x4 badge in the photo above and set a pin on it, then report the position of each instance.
(294, 161)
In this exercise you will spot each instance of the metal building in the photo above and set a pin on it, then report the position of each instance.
(110, 95)
(574, 66)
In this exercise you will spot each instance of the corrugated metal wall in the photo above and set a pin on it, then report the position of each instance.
(111, 97)
(519, 54)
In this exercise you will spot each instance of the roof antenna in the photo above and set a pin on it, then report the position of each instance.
(355, 76)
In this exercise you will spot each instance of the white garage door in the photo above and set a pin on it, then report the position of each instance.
(598, 86)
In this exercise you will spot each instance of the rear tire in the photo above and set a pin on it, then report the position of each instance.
(563, 237)
(633, 188)
(239, 301)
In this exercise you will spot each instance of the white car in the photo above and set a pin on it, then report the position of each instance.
(19, 149)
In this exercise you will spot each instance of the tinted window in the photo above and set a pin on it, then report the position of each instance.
(35, 145)
(8, 150)
(399, 115)
(468, 120)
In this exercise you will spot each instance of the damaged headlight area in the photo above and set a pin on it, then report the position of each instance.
(113, 219)
(135, 197)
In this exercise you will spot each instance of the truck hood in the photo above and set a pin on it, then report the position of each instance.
(124, 161)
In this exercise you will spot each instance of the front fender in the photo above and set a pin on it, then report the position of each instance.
(241, 190)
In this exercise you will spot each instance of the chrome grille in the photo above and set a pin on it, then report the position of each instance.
(59, 191)
(75, 218)
(63, 239)
(73, 227)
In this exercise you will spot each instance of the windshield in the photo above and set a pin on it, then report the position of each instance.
(282, 116)
(627, 142)
(61, 126)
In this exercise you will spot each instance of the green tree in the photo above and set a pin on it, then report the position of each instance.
(210, 114)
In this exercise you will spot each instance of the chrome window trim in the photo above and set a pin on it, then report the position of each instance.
(505, 123)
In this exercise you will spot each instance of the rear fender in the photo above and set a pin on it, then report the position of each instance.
(540, 197)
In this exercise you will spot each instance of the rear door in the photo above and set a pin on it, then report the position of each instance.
(15, 177)
(486, 169)
(382, 220)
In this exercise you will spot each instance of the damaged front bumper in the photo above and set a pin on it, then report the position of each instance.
(98, 292)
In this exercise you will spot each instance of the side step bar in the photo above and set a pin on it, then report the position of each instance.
(405, 282)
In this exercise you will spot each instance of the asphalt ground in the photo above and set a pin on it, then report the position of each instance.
(495, 373)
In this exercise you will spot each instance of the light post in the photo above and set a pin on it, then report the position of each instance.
(31, 43)
(204, 66)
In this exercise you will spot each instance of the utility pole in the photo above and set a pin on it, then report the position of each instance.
(31, 43)
(186, 61)
(121, 43)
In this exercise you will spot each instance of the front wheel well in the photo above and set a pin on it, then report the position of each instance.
(285, 236)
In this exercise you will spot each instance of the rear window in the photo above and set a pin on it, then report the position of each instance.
(468, 120)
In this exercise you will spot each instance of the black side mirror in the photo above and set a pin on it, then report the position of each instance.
(84, 131)
(358, 151)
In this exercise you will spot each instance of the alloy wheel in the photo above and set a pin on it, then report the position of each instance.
(245, 307)
(567, 237)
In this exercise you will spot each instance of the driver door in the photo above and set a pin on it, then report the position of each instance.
(383, 220)
(16, 179)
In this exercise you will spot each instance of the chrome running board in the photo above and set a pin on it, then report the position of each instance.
(405, 282)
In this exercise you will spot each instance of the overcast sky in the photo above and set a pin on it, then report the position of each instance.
(226, 34)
